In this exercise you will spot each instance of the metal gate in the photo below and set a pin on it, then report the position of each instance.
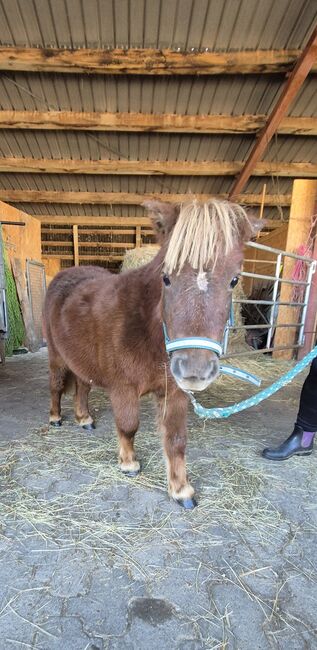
(275, 281)
(36, 283)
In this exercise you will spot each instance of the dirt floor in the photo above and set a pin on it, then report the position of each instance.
(91, 560)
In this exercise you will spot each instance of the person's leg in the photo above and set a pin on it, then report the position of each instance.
(301, 440)
(307, 412)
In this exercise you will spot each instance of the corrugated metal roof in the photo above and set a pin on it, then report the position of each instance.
(139, 184)
(226, 25)
(151, 146)
(185, 24)
(237, 95)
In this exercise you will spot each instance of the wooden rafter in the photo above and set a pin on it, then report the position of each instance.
(128, 198)
(146, 61)
(153, 168)
(294, 83)
(108, 222)
(148, 122)
(105, 257)
(88, 244)
(85, 220)
(90, 231)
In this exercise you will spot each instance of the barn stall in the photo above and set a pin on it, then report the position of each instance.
(103, 106)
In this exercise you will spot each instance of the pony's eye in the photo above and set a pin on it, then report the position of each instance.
(234, 282)
(166, 280)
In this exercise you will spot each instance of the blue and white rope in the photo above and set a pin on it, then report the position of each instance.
(226, 411)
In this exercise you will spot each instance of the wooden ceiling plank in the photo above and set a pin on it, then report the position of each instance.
(86, 231)
(148, 122)
(87, 244)
(145, 61)
(292, 86)
(85, 220)
(128, 198)
(103, 257)
(153, 168)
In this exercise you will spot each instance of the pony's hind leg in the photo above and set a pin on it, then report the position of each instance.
(125, 404)
(58, 379)
(172, 419)
(82, 414)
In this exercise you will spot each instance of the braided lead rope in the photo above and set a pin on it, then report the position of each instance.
(226, 411)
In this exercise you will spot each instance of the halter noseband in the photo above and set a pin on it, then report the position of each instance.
(204, 343)
(197, 342)
(191, 342)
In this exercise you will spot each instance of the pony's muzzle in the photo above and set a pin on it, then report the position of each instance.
(194, 369)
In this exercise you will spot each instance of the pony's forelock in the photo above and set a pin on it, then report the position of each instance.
(204, 232)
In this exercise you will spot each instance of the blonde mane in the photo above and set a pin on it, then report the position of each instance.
(203, 232)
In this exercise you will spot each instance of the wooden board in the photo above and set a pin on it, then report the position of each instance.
(146, 61)
(31, 340)
(151, 122)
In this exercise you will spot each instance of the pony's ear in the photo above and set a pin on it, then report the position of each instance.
(252, 227)
(163, 217)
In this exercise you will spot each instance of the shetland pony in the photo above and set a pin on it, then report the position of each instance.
(106, 330)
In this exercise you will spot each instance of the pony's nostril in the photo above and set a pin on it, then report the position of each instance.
(213, 370)
(177, 367)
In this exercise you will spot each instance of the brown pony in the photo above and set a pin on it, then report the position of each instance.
(107, 330)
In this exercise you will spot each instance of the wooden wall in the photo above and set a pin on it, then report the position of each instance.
(52, 267)
(257, 261)
(21, 242)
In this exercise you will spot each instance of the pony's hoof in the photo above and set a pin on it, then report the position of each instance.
(131, 473)
(88, 427)
(56, 423)
(132, 469)
(188, 504)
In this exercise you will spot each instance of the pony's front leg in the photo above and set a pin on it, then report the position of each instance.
(173, 420)
(125, 404)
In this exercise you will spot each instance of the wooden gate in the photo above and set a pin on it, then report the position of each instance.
(36, 283)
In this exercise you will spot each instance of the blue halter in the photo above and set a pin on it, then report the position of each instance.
(204, 343)
(190, 342)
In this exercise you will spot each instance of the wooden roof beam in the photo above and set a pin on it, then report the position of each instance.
(85, 220)
(129, 198)
(154, 168)
(294, 83)
(148, 122)
(146, 61)
(106, 257)
(109, 222)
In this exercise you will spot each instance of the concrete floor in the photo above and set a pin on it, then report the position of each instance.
(90, 560)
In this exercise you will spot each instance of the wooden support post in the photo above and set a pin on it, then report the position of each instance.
(75, 242)
(138, 240)
(300, 222)
(263, 201)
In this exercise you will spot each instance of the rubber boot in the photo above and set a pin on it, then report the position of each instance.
(296, 444)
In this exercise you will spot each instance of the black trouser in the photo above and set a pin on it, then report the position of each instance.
(307, 414)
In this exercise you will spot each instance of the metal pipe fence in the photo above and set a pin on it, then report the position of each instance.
(274, 282)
